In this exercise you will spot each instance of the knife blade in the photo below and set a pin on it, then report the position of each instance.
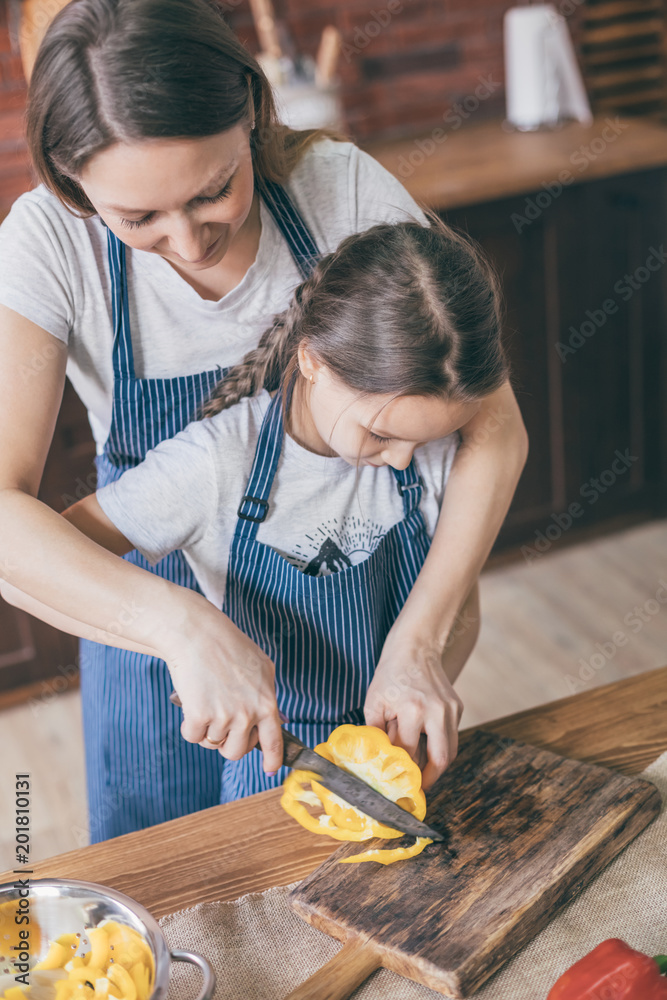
(353, 790)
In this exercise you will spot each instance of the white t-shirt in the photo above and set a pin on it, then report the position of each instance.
(324, 514)
(54, 271)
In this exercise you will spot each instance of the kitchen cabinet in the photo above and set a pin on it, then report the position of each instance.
(585, 282)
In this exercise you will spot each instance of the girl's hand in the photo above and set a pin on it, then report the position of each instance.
(226, 685)
(411, 695)
(412, 700)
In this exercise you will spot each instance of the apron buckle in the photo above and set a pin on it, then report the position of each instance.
(256, 518)
(408, 486)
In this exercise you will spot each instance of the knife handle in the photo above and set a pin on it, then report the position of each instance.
(292, 748)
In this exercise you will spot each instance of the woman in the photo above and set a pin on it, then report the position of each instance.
(175, 219)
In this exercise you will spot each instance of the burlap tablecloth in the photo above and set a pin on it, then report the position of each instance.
(262, 951)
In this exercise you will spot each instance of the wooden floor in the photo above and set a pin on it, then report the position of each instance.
(585, 616)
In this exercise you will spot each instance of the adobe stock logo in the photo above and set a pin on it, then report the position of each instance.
(634, 622)
(624, 288)
(591, 491)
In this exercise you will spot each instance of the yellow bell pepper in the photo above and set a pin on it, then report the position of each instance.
(14, 993)
(119, 966)
(367, 752)
(70, 941)
(388, 857)
(67, 989)
(86, 974)
(126, 946)
(98, 956)
(121, 979)
(142, 980)
(10, 936)
(55, 957)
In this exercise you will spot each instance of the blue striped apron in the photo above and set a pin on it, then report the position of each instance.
(140, 771)
(324, 633)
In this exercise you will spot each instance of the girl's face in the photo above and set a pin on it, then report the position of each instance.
(371, 430)
(184, 199)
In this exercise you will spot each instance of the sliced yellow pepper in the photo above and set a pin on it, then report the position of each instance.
(66, 989)
(86, 974)
(126, 946)
(142, 980)
(122, 980)
(367, 752)
(101, 989)
(119, 966)
(98, 956)
(10, 933)
(388, 857)
(55, 957)
(70, 941)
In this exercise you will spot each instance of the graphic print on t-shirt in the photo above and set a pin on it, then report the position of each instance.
(336, 544)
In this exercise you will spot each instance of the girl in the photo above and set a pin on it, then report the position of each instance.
(174, 219)
(311, 542)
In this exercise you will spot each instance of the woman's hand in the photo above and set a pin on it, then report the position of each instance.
(224, 681)
(226, 685)
(411, 695)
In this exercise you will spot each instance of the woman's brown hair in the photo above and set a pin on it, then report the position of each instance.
(402, 310)
(112, 71)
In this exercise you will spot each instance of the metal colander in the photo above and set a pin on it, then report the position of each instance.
(61, 906)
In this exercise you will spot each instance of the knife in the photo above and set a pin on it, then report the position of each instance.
(351, 789)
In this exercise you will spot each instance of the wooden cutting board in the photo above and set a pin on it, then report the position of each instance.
(526, 831)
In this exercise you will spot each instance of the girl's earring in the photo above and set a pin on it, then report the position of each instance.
(311, 379)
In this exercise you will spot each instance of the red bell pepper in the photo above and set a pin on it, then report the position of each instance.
(613, 971)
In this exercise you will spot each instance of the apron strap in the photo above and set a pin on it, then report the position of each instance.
(410, 485)
(291, 224)
(298, 237)
(255, 504)
(123, 356)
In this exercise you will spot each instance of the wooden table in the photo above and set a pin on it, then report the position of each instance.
(251, 845)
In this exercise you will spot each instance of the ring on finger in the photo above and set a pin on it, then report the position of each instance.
(216, 743)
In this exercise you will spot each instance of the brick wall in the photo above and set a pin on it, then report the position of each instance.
(15, 174)
(406, 63)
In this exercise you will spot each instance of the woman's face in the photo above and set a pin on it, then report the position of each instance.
(184, 199)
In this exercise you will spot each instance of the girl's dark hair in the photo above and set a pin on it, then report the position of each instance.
(404, 310)
(111, 71)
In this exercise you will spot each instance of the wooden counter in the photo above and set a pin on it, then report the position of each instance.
(251, 845)
(447, 169)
